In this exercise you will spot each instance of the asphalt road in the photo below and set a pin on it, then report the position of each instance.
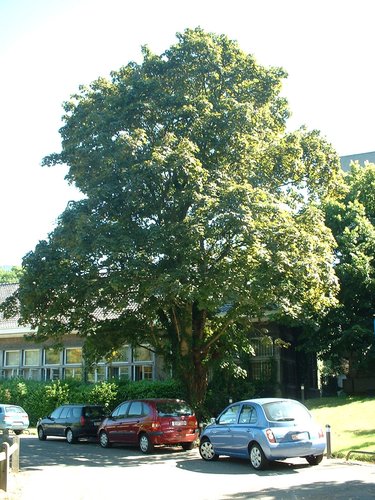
(53, 469)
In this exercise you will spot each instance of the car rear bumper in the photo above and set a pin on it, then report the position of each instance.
(300, 449)
(173, 438)
(18, 427)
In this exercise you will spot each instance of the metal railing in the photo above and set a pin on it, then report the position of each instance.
(359, 451)
(6, 463)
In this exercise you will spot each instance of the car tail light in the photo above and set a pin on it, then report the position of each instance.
(82, 420)
(270, 436)
(321, 433)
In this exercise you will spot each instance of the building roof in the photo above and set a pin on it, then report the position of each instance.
(6, 290)
(361, 158)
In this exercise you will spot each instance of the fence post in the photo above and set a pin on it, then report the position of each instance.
(328, 438)
(4, 468)
(16, 454)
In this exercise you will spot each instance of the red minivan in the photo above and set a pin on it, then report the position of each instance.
(149, 422)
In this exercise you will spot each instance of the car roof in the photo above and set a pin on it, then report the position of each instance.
(80, 405)
(262, 401)
(155, 400)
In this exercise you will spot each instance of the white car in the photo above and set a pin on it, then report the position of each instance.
(14, 418)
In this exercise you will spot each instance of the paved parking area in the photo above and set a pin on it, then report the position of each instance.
(55, 470)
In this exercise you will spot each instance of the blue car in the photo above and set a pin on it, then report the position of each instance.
(264, 430)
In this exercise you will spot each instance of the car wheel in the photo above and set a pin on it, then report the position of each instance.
(104, 440)
(17, 432)
(257, 457)
(187, 446)
(70, 436)
(41, 434)
(207, 452)
(314, 459)
(145, 444)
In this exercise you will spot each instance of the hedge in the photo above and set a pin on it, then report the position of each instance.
(40, 398)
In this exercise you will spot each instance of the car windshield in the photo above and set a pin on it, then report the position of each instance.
(286, 411)
(94, 412)
(173, 409)
(14, 409)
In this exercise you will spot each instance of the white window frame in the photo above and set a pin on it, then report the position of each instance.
(6, 365)
(76, 364)
(59, 352)
(24, 357)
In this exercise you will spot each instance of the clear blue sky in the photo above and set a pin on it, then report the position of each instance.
(49, 47)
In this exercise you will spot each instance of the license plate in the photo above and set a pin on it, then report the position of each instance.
(300, 436)
(177, 423)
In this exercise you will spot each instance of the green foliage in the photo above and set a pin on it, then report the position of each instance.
(195, 197)
(57, 393)
(11, 275)
(41, 398)
(347, 331)
(104, 393)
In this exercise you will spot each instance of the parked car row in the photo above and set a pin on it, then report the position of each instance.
(261, 430)
(144, 423)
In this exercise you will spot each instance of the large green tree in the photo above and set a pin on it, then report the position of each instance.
(346, 334)
(199, 212)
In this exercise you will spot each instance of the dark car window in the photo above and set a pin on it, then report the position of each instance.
(76, 412)
(230, 415)
(12, 409)
(173, 409)
(286, 411)
(94, 412)
(56, 413)
(248, 415)
(136, 409)
(120, 411)
(65, 412)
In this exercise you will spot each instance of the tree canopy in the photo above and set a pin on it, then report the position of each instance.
(10, 275)
(346, 334)
(197, 201)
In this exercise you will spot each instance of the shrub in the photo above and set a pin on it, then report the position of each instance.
(41, 398)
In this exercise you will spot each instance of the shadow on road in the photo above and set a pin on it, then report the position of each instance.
(35, 454)
(317, 490)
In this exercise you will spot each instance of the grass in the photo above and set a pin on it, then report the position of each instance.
(351, 421)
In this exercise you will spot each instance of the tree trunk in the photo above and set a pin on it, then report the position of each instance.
(190, 364)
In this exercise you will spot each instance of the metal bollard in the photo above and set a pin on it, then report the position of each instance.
(328, 439)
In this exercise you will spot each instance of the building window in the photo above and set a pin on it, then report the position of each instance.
(31, 357)
(73, 373)
(52, 357)
(143, 372)
(142, 354)
(12, 358)
(98, 374)
(51, 374)
(30, 373)
(73, 355)
(119, 372)
(121, 355)
(261, 370)
(263, 346)
(11, 373)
